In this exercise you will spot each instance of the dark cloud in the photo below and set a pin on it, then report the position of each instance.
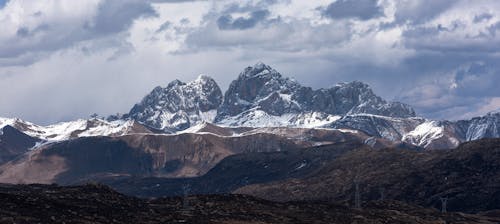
(453, 37)
(164, 26)
(482, 17)
(417, 12)
(24, 32)
(112, 18)
(117, 15)
(359, 9)
(227, 22)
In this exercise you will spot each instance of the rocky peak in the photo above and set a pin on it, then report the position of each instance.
(358, 98)
(258, 86)
(261, 88)
(179, 105)
(259, 69)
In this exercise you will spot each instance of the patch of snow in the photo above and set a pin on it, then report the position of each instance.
(301, 165)
(425, 133)
(348, 130)
(259, 118)
(208, 116)
(38, 145)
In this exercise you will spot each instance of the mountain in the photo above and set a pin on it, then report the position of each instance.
(236, 171)
(179, 105)
(261, 96)
(158, 155)
(75, 129)
(14, 143)
(449, 134)
(468, 176)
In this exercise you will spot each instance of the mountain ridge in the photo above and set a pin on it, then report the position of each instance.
(262, 97)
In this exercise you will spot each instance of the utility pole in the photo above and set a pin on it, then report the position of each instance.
(185, 200)
(357, 194)
(444, 202)
(382, 193)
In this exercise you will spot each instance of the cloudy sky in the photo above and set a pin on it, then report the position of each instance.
(66, 59)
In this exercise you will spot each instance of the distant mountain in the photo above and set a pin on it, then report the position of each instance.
(75, 129)
(261, 96)
(179, 105)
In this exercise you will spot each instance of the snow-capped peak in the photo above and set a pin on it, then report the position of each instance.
(179, 105)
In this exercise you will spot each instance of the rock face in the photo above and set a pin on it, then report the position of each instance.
(14, 143)
(157, 155)
(179, 105)
(236, 171)
(262, 92)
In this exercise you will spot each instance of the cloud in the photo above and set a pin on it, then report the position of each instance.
(457, 94)
(421, 11)
(227, 22)
(48, 27)
(348, 9)
(115, 16)
(75, 58)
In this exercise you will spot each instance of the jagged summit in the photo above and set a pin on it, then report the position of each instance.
(259, 69)
(179, 105)
(262, 93)
(259, 96)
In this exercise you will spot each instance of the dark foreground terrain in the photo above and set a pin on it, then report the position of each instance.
(100, 204)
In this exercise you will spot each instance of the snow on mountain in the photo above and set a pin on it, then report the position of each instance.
(72, 129)
(179, 105)
(424, 134)
(391, 128)
(259, 118)
(262, 96)
(6, 121)
(482, 127)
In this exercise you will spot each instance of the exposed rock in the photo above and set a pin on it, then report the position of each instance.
(179, 105)
(14, 143)
(261, 88)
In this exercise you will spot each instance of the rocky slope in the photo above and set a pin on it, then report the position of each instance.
(99, 204)
(468, 176)
(179, 105)
(14, 143)
(236, 171)
(180, 155)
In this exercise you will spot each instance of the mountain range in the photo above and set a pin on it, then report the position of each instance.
(261, 97)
